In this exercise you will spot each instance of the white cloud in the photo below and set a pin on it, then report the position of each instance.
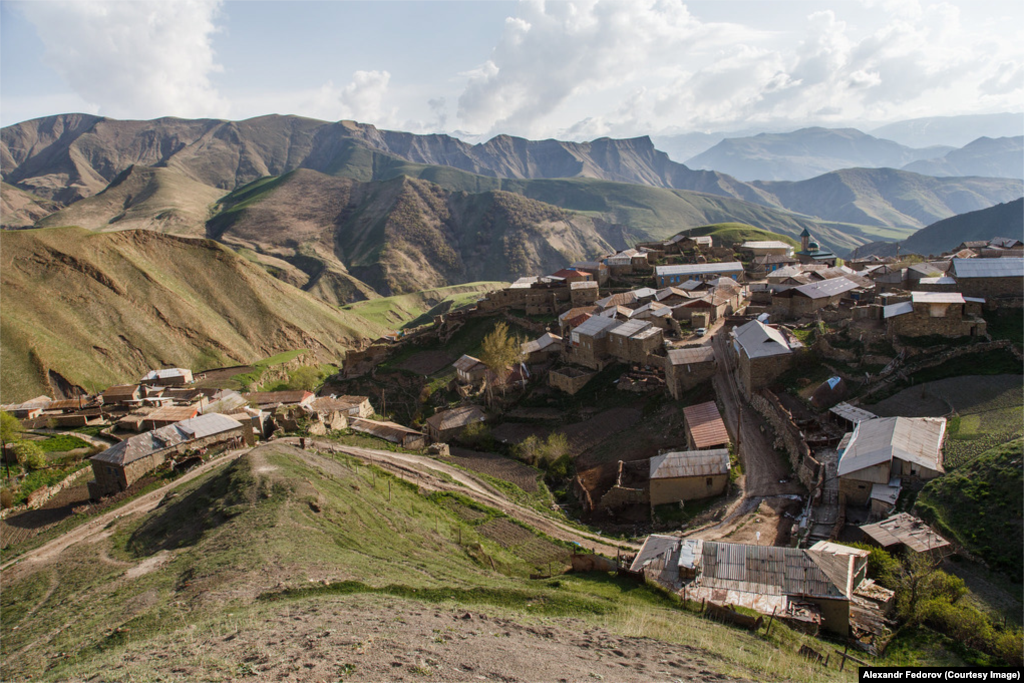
(134, 59)
(620, 68)
(363, 98)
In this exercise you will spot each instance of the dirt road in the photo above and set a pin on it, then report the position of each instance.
(432, 474)
(95, 527)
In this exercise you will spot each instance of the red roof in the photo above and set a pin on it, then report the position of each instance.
(706, 425)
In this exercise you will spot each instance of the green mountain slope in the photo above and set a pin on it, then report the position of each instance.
(160, 199)
(1002, 220)
(979, 505)
(98, 309)
(293, 564)
(419, 308)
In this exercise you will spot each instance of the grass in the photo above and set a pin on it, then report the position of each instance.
(407, 311)
(62, 442)
(1006, 324)
(43, 478)
(233, 532)
(979, 505)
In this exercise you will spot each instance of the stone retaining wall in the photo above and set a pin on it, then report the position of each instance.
(39, 497)
(788, 437)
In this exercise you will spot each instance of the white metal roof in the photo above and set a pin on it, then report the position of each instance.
(851, 413)
(937, 297)
(597, 326)
(988, 267)
(827, 288)
(695, 354)
(760, 341)
(690, 464)
(916, 440)
(586, 284)
(700, 268)
(944, 280)
(893, 310)
(631, 327)
(765, 244)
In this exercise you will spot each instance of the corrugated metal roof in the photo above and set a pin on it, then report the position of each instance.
(885, 493)
(937, 297)
(225, 401)
(706, 425)
(456, 417)
(597, 327)
(916, 440)
(613, 300)
(138, 447)
(851, 413)
(827, 288)
(644, 292)
(696, 354)
(907, 530)
(389, 431)
(576, 312)
(700, 268)
(468, 363)
(763, 569)
(173, 413)
(988, 267)
(759, 340)
(655, 546)
(167, 373)
(586, 284)
(944, 280)
(544, 341)
(893, 310)
(765, 244)
(690, 464)
(630, 327)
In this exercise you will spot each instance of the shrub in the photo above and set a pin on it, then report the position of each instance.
(6, 499)
(30, 455)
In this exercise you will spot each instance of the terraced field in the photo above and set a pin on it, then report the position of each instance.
(496, 466)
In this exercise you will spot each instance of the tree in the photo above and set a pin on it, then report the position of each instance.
(10, 430)
(30, 455)
(304, 377)
(500, 350)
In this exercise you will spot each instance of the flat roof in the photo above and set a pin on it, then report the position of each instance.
(937, 297)
(700, 268)
(988, 267)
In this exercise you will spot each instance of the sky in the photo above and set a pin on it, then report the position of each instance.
(571, 69)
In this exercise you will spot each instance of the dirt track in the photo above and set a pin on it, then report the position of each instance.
(422, 470)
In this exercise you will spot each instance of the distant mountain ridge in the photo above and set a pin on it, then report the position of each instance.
(806, 153)
(1001, 220)
(995, 158)
(68, 157)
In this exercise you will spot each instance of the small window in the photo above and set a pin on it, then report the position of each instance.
(709, 481)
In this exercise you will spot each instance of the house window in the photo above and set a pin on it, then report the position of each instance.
(709, 482)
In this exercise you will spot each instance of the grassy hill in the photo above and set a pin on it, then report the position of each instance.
(1001, 220)
(161, 199)
(979, 505)
(288, 562)
(727, 233)
(419, 308)
(98, 309)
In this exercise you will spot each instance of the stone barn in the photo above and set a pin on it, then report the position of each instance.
(689, 475)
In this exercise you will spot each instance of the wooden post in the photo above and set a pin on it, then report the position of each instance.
(770, 619)
(702, 605)
(826, 660)
(389, 490)
(843, 663)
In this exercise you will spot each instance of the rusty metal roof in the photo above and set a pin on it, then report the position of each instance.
(173, 413)
(456, 417)
(692, 355)
(706, 425)
(907, 530)
(767, 570)
(690, 464)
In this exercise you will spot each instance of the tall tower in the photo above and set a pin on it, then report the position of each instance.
(805, 238)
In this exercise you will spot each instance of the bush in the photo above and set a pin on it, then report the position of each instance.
(6, 499)
(30, 455)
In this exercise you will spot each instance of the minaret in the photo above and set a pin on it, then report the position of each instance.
(805, 238)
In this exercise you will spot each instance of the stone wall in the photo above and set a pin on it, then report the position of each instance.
(919, 323)
(39, 497)
(788, 437)
(618, 496)
(569, 380)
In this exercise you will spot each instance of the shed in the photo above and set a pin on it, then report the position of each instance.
(704, 426)
(688, 475)
(448, 424)
(906, 531)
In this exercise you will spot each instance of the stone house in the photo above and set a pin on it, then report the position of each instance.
(469, 370)
(763, 353)
(122, 394)
(686, 368)
(665, 276)
(349, 406)
(390, 431)
(595, 268)
(761, 267)
(583, 293)
(704, 427)
(573, 275)
(589, 342)
(801, 301)
(272, 399)
(715, 304)
(634, 340)
(948, 314)
(886, 449)
(542, 349)
(121, 465)
(569, 379)
(574, 317)
(168, 377)
(448, 424)
(999, 281)
(688, 475)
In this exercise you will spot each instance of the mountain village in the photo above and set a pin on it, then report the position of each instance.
(717, 329)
